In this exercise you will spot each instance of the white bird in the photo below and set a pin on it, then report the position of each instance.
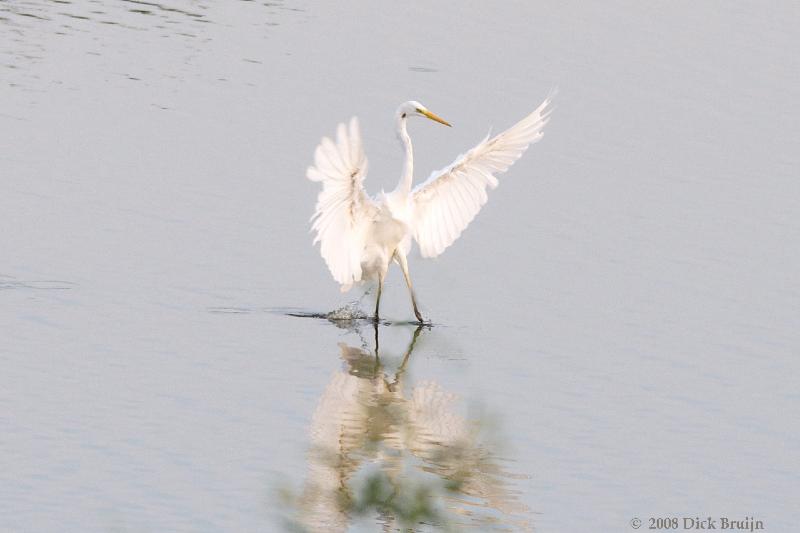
(359, 236)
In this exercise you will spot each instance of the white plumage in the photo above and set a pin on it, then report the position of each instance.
(343, 209)
(359, 236)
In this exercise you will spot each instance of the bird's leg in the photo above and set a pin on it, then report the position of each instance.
(401, 260)
(377, 349)
(378, 299)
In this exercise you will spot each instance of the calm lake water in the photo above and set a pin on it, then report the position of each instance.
(616, 336)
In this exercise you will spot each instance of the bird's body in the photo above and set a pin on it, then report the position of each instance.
(360, 236)
(388, 231)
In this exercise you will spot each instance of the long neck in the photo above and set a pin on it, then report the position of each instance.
(404, 185)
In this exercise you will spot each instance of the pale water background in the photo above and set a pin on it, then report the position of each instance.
(626, 307)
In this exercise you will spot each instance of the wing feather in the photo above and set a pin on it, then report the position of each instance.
(342, 205)
(449, 199)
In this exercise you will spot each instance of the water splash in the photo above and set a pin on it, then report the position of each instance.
(350, 311)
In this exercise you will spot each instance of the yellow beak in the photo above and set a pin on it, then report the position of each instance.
(435, 118)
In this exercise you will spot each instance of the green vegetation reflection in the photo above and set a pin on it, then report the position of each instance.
(400, 454)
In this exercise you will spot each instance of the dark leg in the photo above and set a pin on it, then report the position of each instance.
(377, 349)
(401, 260)
(378, 299)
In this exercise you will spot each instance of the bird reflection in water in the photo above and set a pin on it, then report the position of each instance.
(400, 453)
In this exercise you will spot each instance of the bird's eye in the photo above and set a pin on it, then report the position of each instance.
(404, 115)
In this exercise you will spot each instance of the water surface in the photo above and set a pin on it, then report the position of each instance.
(623, 312)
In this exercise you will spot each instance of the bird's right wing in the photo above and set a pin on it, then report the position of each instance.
(449, 199)
(342, 205)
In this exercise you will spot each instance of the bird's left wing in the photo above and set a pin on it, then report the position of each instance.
(342, 205)
(449, 199)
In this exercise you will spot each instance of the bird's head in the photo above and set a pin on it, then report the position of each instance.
(412, 108)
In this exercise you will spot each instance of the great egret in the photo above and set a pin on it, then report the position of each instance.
(360, 235)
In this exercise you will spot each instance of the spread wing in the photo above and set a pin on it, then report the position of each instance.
(449, 199)
(342, 206)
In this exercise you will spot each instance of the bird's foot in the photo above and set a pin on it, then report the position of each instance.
(421, 321)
